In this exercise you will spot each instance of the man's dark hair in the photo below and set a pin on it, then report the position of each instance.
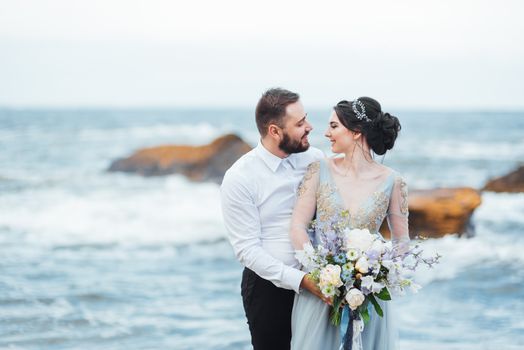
(271, 108)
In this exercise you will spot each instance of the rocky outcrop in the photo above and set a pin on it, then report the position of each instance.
(438, 212)
(513, 182)
(198, 163)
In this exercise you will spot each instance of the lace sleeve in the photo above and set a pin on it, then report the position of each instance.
(398, 213)
(305, 206)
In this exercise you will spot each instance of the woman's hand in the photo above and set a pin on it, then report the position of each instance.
(310, 285)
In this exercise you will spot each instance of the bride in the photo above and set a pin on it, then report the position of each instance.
(370, 192)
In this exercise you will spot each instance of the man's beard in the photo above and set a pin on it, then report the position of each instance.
(293, 146)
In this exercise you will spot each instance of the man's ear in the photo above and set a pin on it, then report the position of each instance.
(273, 131)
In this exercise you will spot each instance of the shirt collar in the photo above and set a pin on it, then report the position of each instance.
(271, 160)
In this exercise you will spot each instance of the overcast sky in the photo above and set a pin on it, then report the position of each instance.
(406, 53)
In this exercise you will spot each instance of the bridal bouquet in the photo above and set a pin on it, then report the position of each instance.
(355, 268)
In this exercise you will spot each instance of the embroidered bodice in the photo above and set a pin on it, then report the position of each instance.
(328, 197)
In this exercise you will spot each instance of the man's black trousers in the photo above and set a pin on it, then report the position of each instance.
(268, 311)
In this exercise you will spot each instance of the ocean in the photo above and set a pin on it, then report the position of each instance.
(98, 260)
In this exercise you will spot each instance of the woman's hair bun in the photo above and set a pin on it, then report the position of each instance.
(383, 132)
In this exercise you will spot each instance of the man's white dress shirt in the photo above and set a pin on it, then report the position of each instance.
(258, 194)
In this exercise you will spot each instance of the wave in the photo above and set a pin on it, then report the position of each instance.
(132, 210)
(509, 150)
(119, 209)
(186, 133)
(498, 240)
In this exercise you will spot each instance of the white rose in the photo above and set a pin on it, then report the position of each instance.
(330, 276)
(362, 265)
(355, 298)
(360, 239)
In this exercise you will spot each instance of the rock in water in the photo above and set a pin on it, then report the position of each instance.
(198, 163)
(513, 182)
(437, 212)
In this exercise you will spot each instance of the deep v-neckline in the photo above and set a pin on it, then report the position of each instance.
(366, 199)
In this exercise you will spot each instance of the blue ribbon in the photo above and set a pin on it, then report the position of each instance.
(346, 327)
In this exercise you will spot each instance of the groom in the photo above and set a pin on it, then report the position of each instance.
(258, 194)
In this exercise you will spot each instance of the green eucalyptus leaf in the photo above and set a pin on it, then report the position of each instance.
(384, 294)
(365, 315)
(376, 305)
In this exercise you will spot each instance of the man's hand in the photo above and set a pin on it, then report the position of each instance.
(309, 284)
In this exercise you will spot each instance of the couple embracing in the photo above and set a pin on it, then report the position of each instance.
(271, 194)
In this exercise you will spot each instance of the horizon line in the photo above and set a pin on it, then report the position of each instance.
(505, 109)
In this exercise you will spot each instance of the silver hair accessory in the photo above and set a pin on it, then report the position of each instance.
(361, 114)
